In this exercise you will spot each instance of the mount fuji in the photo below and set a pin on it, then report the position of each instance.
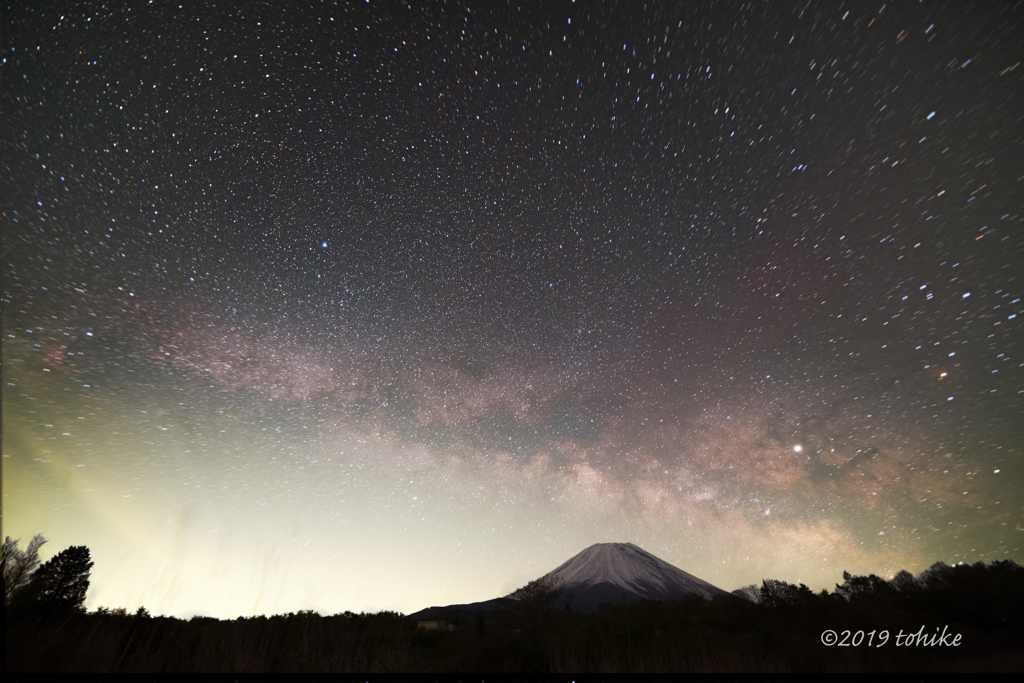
(607, 573)
(623, 572)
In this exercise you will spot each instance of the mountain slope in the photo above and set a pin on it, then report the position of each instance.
(607, 573)
(623, 572)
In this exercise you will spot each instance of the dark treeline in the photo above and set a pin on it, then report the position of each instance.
(776, 627)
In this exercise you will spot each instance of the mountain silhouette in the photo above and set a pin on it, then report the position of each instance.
(607, 573)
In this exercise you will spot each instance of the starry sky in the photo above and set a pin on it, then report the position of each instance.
(381, 305)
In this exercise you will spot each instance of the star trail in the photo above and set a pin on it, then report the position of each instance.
(378, 305)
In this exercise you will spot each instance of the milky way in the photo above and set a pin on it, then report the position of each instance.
(378, 305)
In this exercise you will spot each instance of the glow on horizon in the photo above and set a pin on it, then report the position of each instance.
(183, 557)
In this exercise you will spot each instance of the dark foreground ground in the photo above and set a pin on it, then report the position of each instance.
(790, 631)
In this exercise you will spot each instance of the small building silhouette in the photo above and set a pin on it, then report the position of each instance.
(434, 625)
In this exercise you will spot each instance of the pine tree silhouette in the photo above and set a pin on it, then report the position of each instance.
(60, 585)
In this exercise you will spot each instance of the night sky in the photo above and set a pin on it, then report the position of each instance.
(379, 305)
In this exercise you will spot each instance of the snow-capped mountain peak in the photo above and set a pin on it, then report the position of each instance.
(623, 572)
(606, 573)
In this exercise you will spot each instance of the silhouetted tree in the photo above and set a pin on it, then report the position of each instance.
(19, 565)
(540, 596)
(905, 583)
(60, 585)
(858, 587)
(939, 575)
(775, 593)
(751, 593)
